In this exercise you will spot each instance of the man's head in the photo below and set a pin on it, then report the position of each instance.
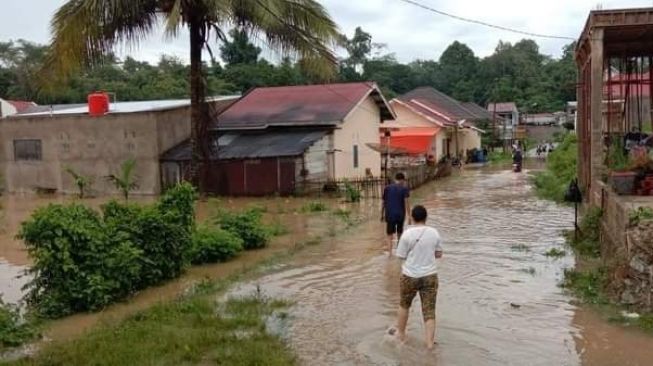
(400, 178)
(419, 214)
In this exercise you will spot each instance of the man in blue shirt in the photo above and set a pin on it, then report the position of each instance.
(395, 208)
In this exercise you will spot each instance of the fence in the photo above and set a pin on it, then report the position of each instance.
(372, 187)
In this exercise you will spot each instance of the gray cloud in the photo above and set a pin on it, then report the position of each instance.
(409, 32)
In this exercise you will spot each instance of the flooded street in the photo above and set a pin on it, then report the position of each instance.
(496, 233)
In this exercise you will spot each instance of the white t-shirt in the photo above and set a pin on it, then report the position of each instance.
(417, 246)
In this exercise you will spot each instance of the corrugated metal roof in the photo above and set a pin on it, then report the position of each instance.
(253, 145)
(119, 107)
(502, 107)
(477, 110)
(441, 103)
(305, 105)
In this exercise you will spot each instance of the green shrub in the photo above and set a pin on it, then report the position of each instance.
(560, 170)
(85, 261)
(14, 331)
(211, 245)
(75, 264)
(352, 193)
(641, 214)
(247, 226)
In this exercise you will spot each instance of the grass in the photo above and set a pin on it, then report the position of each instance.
(553, 182)
(190, 331)
(14, 329)
(587, 285)
(520, 248)
(587, 242)
(315, 206)
(555, 253)
(499, 157)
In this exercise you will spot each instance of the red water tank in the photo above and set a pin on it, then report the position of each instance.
(98, 104)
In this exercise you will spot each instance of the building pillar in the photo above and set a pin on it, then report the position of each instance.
(597, 165)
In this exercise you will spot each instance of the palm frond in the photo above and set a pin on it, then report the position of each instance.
(86, 30)
(294, 27)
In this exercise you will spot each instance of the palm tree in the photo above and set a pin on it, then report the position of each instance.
(126, 181)
(84, 31)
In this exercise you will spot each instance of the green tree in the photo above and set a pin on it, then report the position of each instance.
(85, 31)
(239, 50)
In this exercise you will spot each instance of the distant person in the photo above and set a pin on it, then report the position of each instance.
(395, 208)
(419, 247)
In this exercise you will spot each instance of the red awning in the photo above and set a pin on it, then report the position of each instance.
(414, 140)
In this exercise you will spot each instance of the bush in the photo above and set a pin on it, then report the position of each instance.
(247, 226)
(352, 193)
(560, 170)
(85, 261)
(213, 245)
(14, 331)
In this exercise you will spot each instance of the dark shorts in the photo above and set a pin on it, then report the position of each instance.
(395, 227)
(428, 293)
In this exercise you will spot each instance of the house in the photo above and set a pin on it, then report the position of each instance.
(428, 112)
(11, 107)
(507, 117)
(541, 119)
(275, 139)
(38, 146)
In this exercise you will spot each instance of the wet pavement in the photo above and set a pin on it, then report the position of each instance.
(496, 233)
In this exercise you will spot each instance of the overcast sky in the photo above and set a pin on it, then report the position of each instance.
(408, 31)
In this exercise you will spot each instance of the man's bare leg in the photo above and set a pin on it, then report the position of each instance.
(429, 326)
(390, 243)
(402, 320)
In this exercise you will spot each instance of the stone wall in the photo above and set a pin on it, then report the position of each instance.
(626, 250)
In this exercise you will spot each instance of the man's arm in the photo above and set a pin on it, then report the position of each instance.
(438, 250)
(407, 204)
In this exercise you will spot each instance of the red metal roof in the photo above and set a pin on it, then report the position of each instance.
(306, 105)
(21, 105)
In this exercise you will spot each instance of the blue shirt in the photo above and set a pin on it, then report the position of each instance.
(394, 201)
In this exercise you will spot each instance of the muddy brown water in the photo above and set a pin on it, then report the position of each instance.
(495, 235)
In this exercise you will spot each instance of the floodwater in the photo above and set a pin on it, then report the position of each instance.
(495, 235)
(14, 260)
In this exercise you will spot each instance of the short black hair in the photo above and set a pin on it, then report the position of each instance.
(400, 176)
(419, 213)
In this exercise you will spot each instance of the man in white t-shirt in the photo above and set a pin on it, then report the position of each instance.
(419, 247)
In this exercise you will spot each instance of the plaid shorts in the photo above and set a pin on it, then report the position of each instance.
(428, 293)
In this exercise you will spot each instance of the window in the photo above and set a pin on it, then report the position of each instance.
(355, 156)
(27, 150)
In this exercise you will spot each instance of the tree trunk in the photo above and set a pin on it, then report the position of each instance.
(199, 139)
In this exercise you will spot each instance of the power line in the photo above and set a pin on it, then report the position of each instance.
(478, 22)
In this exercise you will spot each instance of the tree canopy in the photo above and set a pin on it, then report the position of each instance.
(514, 72)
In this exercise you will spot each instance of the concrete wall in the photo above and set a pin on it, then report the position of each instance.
(469, 139)
(317, 161)
(359, 128)
(408, 118)
(626, 250)
(95, 147)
